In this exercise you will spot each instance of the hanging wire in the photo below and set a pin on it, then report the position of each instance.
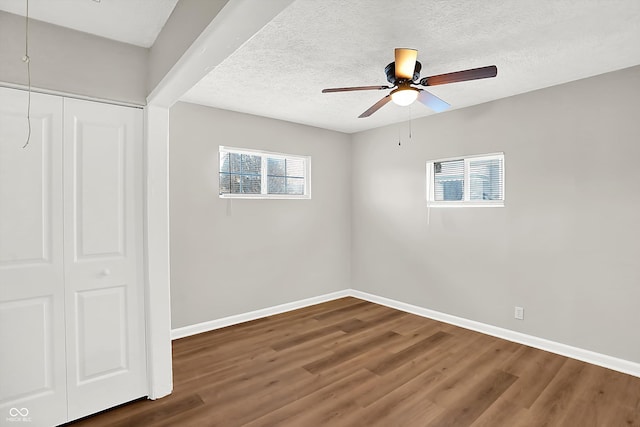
(27, 61)
(410, 120)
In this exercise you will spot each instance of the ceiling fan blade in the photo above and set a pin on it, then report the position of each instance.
(350, 89)
(460, 76)
(405, 63)
(432, 101)
(375, 107)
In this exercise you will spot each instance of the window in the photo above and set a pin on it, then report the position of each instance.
(466, 181)
(247, 173)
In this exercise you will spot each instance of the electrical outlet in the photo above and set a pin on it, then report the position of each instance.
(519, 314)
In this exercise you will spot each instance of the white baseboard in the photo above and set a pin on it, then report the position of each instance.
(610, 362)
(253, 315)
(588, 356)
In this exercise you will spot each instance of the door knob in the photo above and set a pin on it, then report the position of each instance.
(105, 272)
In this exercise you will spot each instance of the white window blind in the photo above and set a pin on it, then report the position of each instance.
(449, 180)
(245, 173)
(466, 181)
(486, 179)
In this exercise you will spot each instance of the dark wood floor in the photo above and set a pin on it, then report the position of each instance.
(353, 363)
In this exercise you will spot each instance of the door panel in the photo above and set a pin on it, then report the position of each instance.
(100, 190)
(25, 193)
(104, 299)
(32, 329)
(27, 374)
(102, 346)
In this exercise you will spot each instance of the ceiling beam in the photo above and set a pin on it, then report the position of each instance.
(234, 25)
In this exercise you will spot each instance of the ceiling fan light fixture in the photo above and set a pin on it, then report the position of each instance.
(404, 96)
(405, 62)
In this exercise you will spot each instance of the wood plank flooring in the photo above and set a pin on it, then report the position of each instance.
(353, 363)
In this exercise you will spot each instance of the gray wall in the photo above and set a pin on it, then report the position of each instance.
(74, 62)
(567, 245)
(70, 61)
(231, 257)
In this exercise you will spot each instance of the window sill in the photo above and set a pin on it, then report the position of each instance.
(495, 204)
(264, 196)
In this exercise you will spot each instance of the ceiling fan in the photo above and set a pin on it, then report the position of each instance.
(404, 73)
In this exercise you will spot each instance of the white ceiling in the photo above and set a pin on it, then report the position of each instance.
(315, 44)
(135, 22)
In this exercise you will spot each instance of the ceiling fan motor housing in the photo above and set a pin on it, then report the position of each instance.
(390, 71)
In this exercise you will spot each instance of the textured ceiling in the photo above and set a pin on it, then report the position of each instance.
(135, 22)
(314, 44)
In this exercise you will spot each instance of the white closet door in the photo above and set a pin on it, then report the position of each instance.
(32, 343)
(103, 259)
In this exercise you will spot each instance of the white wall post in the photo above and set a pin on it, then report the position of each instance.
(158, 305)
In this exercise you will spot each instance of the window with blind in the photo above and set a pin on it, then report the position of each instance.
(245, 173)
(466, 181)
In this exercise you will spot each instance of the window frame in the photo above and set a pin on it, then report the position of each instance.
(466, 202)
(264, 176)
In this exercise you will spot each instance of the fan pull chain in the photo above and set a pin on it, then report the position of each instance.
(27, 61)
